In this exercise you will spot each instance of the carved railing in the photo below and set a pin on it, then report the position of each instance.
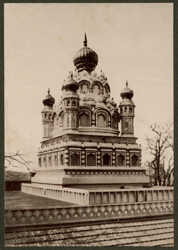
(103, 196)
(73, 213)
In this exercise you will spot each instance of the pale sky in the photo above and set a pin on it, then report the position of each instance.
(134, 42)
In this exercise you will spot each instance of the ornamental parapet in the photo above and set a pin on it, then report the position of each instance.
(73, 213)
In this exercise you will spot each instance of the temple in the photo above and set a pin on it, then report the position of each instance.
(88, 140)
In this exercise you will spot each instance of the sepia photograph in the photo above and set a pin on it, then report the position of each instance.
(88, 96)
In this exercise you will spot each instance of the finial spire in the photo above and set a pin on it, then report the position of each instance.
(48, 91)
(126, 83)
(70, 74)
(85, 40)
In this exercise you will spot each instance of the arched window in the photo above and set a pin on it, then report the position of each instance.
(50, 162)
(61, 159)
(114, 122)
(84, 89)
(106, 160)
(39, 162)
(134, 160)
(44, 162)
(60, 121)
(73, 103)
(106, 90)
(68, 103)
(75, 159)
(56, 160)
(101, 122)
(121, 160)
(96, 89)
(91, 159)
(130, 110)
(126, 124)
(84, 120)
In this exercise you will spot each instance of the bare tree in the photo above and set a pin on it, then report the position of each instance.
(16, 159)
(158, 146)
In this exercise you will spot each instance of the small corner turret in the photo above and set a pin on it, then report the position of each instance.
(127, 112)
(70, 103)
(47, 114)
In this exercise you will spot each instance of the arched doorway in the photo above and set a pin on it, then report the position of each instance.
(91, 159)
(75, 159)
(134, 160)
(121, 160)
(106, 160)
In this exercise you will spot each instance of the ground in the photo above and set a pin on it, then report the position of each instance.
(19, 200)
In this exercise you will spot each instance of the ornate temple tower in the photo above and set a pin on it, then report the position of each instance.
(70, 102)
(82, 145)
(47, 114)
(127, 112)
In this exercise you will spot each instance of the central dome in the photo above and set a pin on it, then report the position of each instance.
(85, 58)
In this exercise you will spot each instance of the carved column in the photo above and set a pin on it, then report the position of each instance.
(127, 159)
(83, 158)
(98, 157)
(66, 157)
(113, 158)
(93, 118)
(109, 121)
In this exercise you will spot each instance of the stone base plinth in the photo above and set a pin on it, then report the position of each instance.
(93, 196)
(69, 176)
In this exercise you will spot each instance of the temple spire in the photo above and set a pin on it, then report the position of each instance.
(48, 91)
(85, 40)
(126, 83)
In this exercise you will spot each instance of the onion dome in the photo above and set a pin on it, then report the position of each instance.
(70, 84)
(85, 58)
(127, 92)
(49, 100)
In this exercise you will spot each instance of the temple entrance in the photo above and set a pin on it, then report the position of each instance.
(106, 160)
(91, 160)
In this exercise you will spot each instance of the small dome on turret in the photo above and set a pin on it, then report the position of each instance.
(85, 58)
(49, 100)
(70, 84)
(127, 92)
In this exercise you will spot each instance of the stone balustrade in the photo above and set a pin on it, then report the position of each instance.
(102, 196)
(71, 195)
(74, 213)
(131, 195)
